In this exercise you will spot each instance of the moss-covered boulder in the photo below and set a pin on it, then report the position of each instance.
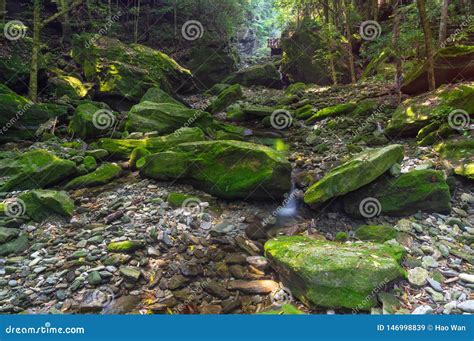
(375, 233)
(125, 70)
(418, 112)
(90, 120)
(15, 246)
(156, 95)
(20, 118)
(165, 118)
(335, 110)
(136, 157)
(226, 98)
(61, 84)
(334, 275)
(43, 204)
(450, 64)
(176, 199)
(227, 169)
(123, 148)
(419, 190)
(357, 172)
(33, 170)
(101, 176)
(126, 246)
(262, 74)
(460, 153)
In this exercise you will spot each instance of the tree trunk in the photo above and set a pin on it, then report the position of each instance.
(136, 22)
(396, 48)
(3, 11)
(33, 86)
(443, 27)
(375, 10)
(345, 11)
(66, 38)
(428, 43)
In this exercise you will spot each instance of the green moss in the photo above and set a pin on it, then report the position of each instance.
(375, 233)
(124, 147)
(341, 237)
(229, 169)
(331, 274)
(60, 84)
(156, 95)
(43, 204)
(419, 190)
(336, 110)
(285, 309)
(297, 89)
(359, 171)
(217, 89)
(177, 199)
(33, 169)
(89, 163)
(127, 246)
(304, 112)
(226, 98)
(103, 175)
(90, 120)
(136, 155)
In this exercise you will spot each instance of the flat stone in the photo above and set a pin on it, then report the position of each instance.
(466, 306)
(130, 273)
(418, 276)
(466, 277)
(422, 310)
(94, 278)
(262, 287)
(216, 289)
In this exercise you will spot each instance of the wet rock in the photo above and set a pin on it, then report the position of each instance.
(253, 287)
(417, 276)
(130, 273)
(216, 289)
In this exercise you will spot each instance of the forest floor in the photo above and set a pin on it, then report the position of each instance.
(203, 261)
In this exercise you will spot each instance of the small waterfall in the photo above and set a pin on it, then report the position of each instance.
(290, 204)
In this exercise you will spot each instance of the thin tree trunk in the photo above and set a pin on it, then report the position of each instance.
(33, 86)
(375, 9)
(443, 27)
(345, 10)
(175, 8)
(66, 38)
(3, 11)
(396, 48)
(136, 21)
(428, 43)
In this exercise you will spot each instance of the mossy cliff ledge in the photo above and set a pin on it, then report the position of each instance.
(330, 274)
(227, 169)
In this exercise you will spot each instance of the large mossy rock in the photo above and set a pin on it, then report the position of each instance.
(125, 70)
(226, 98)
(419, 190)
(15, 246)
(334, 275)
(418, 112)
(43, 204)
(376, 233)
(20, 118)
(332, 111)
(359, 171)
(227, 169)
(262, 74)
(63, 85)
(91, 120)
(165, 118)
(450, 64)
(156, 95)
(460, 153)
(123, 148)
(33, 170)
(210, 64)
(303, 61)
(101, 176)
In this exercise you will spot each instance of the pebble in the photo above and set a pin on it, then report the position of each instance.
(429, 262)
(418, 276)
(466, 277)
(435, 284)
(422, 310)
(466, 306)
